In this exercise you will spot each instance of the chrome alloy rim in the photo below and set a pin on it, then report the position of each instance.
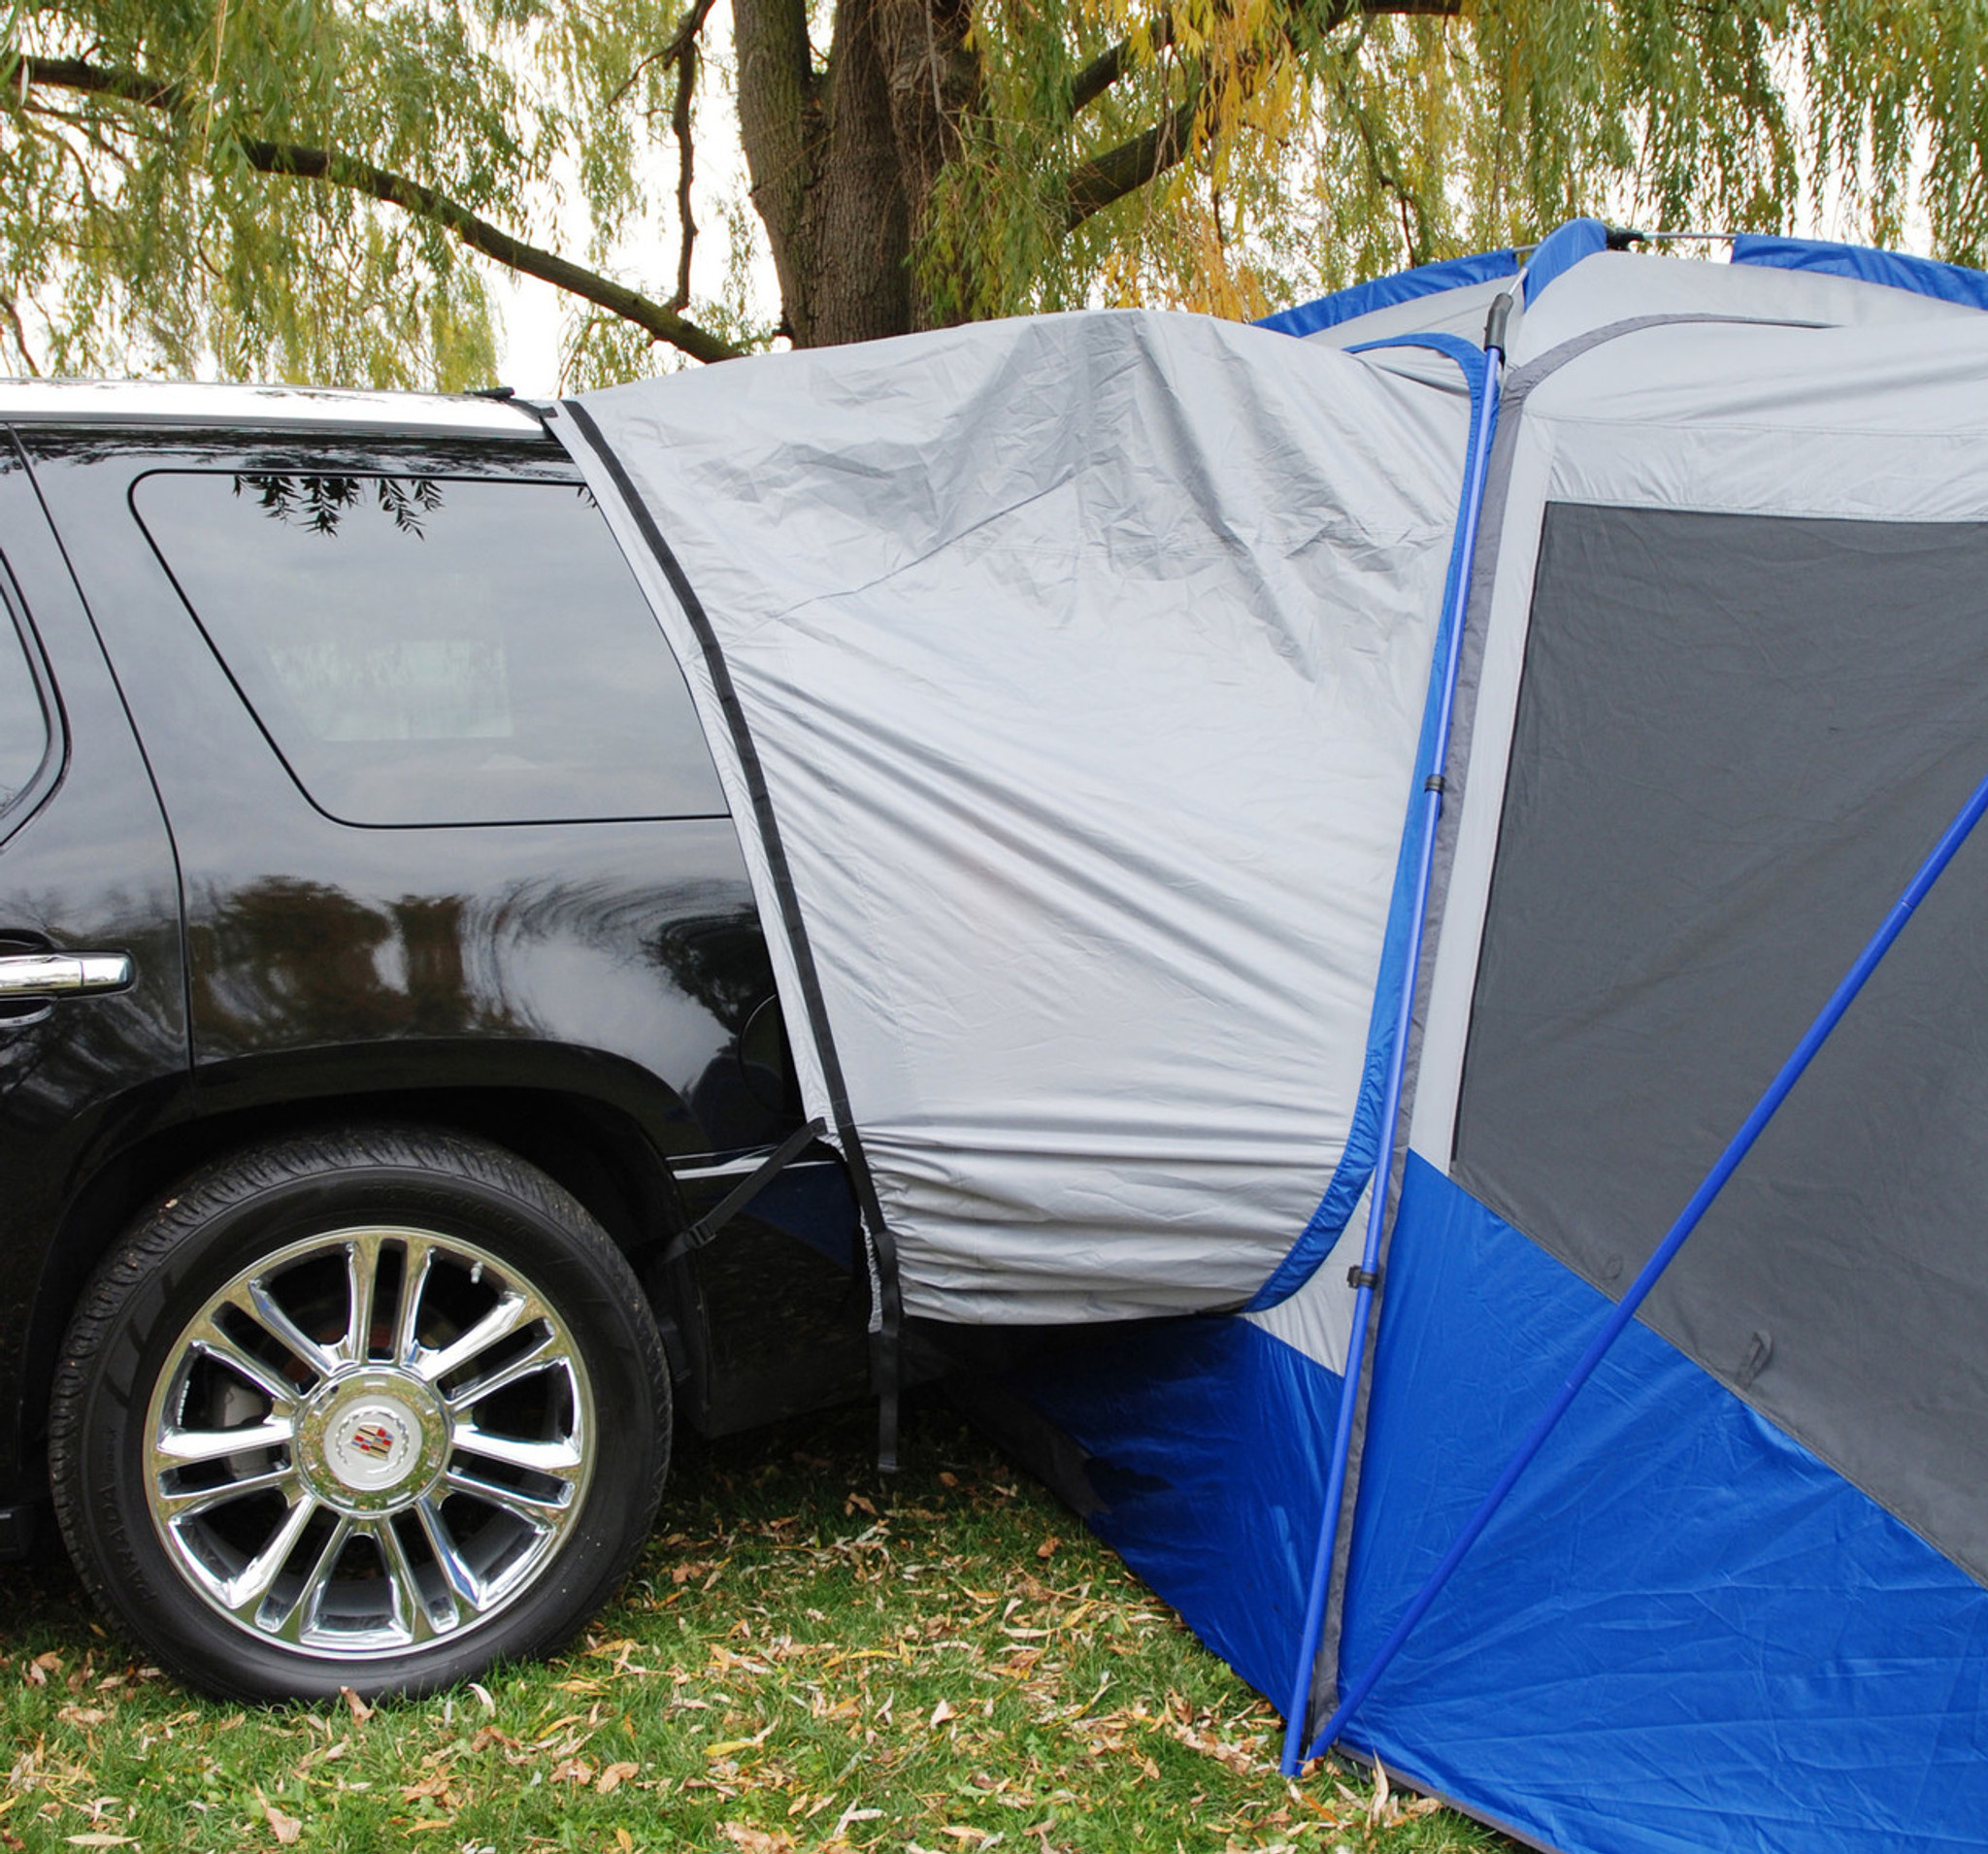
(370, 1441)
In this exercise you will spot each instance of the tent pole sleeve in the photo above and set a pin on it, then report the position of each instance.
(1818, 1033)
(1367, 1277)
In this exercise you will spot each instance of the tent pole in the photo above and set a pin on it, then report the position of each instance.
(1818, 1033)
(1367, 1277)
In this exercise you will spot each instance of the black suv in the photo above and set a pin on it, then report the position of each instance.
(381, 1002)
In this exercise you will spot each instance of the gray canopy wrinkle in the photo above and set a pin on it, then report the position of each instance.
(1082, 659)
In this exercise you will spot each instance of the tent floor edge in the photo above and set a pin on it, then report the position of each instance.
(1369, 1760)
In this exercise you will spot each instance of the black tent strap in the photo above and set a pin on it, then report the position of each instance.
(887, 1372)
(745, 1191)
(1358, 1277)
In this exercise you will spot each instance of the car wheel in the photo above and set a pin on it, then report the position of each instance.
(367, 1410)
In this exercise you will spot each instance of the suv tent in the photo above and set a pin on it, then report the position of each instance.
(1189, 773)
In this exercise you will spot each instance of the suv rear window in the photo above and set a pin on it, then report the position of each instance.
(435, 651)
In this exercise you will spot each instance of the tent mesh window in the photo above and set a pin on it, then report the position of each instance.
(1736, 738)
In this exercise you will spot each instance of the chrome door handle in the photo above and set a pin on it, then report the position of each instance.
(62, 974)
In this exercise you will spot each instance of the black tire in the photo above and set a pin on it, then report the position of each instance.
(471, 1499)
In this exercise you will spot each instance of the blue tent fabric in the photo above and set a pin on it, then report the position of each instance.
(1922, 275)
(1207, 1443)
(1561, 250)
(1676, 1600)
(1385, 292)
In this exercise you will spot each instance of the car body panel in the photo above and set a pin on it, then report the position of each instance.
(86, 865)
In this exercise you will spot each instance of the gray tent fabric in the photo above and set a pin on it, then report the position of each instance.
(1082, 660)
(1613, 287)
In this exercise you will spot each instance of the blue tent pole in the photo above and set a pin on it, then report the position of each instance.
(1476, 467)
(1818, 1033)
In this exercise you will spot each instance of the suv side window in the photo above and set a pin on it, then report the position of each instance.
(24, 737)
(426, 650)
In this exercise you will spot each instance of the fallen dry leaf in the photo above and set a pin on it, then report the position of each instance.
(100, 1840)
(82, 1714)
(1047, 1548)
(1209, 1745)
(755, 1840)
(1377, 1811)
(361, 1711)
(573, 1770)
(729, 1746)
(940, 1715)
(286, 1829)
(614, 1775)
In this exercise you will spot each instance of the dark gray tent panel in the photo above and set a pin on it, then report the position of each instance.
(1736, 735)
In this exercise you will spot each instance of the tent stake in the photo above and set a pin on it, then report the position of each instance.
(1368, 1276)
(1818, 1033)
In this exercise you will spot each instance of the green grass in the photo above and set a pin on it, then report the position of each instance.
(801, 1661)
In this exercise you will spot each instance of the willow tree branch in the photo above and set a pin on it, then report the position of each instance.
(291, 160)
(1108, 66)
(13, 315)
(684, 51)
(1131, 165)
(1105, 179)
(1113, 63)
(682, 38)
(686, 224)
(94, 79)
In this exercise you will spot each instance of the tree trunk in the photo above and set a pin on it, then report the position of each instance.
(933, 80)
(844, 161)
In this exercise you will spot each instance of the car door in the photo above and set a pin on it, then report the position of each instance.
(93, 1043)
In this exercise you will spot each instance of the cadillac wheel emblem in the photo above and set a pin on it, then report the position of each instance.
(373, 1440)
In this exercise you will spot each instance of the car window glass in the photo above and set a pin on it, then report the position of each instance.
(23, 722)
(435, 651)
